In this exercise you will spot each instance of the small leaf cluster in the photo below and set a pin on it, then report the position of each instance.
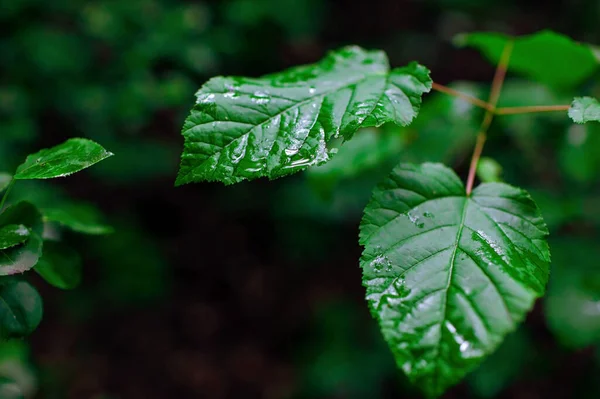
(448, 270)
(27, 241)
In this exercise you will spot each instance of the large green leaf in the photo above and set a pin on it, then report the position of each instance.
(12, 235)
(21, 258)
(448, 276)
(244, 128)
(59, 265)
(545, 56)
(20, 308)
(585, 109)
(62, 160)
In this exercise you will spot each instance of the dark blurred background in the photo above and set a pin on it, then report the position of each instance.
(254, 290)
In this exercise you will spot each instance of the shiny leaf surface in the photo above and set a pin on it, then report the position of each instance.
(21, 258)
(62, 160)
(448, 276)
(546, 56)
(244, 128)
(59, 265)
(20, 308)
(12, 235)
(585, 109)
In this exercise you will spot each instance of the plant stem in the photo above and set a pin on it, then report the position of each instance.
(531, 109)
(497, 83)
(463, 96)
(12, 182)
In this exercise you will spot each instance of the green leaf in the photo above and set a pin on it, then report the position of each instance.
(21, 258)
(60, 265)
(67, 158)
(20, 308)
(585, 109)
(5, 179)
(79, 217)
(12, 235)
(370, 149)
(572, 305)
(448, 276)
(548, 57)
(245, 128)
(489, 170)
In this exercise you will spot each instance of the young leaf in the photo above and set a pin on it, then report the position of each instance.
(67, 158)
(79, 217)
(20, 308)
(59, 265)
(449, 275)
(585, 109)
(243, 128)
(21, 258)
(12, 235)
(546, 56)
(489, 170)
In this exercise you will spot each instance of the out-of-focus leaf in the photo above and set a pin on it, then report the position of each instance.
(5, 180)
(489, 170)
(242, 128)
(21, 258)
(369, 149)
(60, 265)
(572, 304)
(579, 155)
(12, 235)
(585, 109)
(62, 160)
(20, 308)
(15, 366)
(9, 389)
(548, 57)
(449, 275)
(446, 127)
(79, 217)
(502, 367)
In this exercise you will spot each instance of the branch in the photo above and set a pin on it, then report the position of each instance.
(463, 96)
(497, 83)
(531, 109)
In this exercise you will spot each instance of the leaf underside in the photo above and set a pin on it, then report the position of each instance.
(548, 57)
(448, 276)
(244, 128)
(585, 109)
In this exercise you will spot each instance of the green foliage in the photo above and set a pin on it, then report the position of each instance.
(12, 235)
(79, 217)
(22, 228)
(20, 308)
(546, 56)
(67, 158)
(585, 109)
(448, 276)
(60, 265)
(242, 128)
(488, 170)
(449, 270)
